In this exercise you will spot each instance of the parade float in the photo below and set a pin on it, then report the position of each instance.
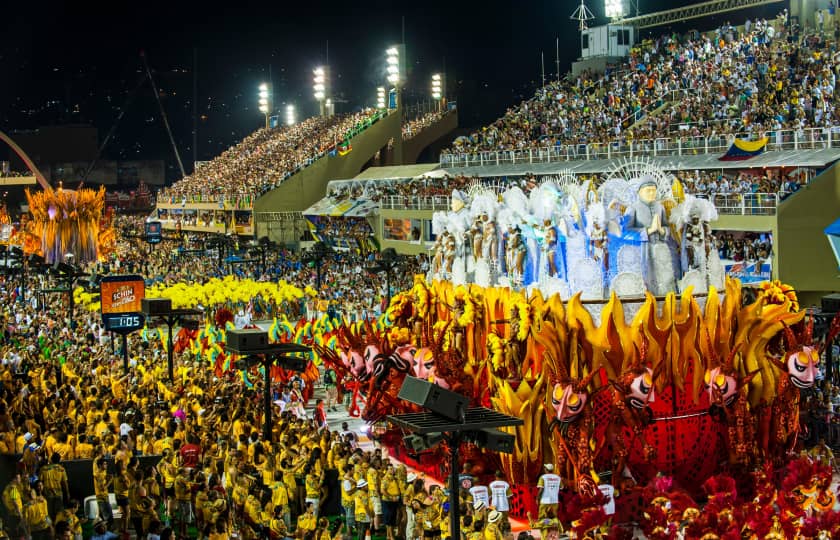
(602, 318)
(67, 221)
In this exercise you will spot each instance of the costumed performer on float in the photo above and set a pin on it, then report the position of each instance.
(645, 220)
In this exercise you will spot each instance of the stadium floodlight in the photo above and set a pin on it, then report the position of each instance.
(392, 65)
(437, 86)
(380, 97)
(614, 9)
(264, 101)
(319, 86)
(290, 114)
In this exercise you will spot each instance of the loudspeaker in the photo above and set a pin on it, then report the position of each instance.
(156, 306)
(243, 341)
(831, 303)
(435, 398)
(493, 439)
(293, 363)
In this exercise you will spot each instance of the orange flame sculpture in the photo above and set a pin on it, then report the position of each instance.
(572, 372)
(69, 221)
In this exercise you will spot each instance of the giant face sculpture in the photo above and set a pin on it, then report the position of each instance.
(351, 359)
(802, 367)
(424, 363)
(723, 388)
(641, 389)
(355, 364)
(403, 357)
(568, 403)
(424, 367)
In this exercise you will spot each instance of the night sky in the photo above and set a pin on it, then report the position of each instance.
(63, 63)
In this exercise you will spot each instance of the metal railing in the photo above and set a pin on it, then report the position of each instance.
(804, 139)
(747, 204)
(737, 204)
(399, 202)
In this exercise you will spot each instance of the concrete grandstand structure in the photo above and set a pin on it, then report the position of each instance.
(795, 220)
(277, 212)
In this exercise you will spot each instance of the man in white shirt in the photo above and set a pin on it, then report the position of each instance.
(548, 493)
(480, 494)
(500, 493)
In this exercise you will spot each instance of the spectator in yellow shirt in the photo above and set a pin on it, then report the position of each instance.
(277, 527)
(13, 502)
(56, 489)
(36, 515)
(307, 521)
(312, 484)
(391, 495)
(69, 515)
(364, 511)
(101, 487)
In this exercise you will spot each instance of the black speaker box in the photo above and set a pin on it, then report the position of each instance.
(831, 303)
(243, 341)
(435, 398)
(293, 363)
(156, 306)
(494, 439)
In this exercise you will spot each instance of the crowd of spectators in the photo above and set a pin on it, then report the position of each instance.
(767, 181)
(762, 79)
(744, 246)
(411, 128)
(773, 181)
(264, 159)
(347, 287)
(66, 397)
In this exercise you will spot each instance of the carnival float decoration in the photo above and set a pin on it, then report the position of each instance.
(66, 221)
(602, 318)
(636, 232)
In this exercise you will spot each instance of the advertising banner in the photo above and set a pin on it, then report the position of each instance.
(122, 294)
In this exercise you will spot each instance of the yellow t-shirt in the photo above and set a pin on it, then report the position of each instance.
(182, 489)
(12, 499)
(362, 506)
(390, 488)
(84, 451)
(64, 450)
(70, 517)
(35, 514)
(54, 477)
(306, 522)
(313, 487)
(279, 494)
(100, 483)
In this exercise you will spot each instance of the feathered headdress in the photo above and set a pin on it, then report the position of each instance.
(516, 201)
(544, 202)
(484, 203)
(439, 220)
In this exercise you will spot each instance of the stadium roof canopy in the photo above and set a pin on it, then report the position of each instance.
(785, 158)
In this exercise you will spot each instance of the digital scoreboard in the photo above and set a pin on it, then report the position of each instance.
(123, 322)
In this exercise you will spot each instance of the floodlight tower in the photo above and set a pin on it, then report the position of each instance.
(380, 97)
(615, 10)
(320, 83)
(265, 101)
(438, 92)
(290, 115)
(395, 68)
